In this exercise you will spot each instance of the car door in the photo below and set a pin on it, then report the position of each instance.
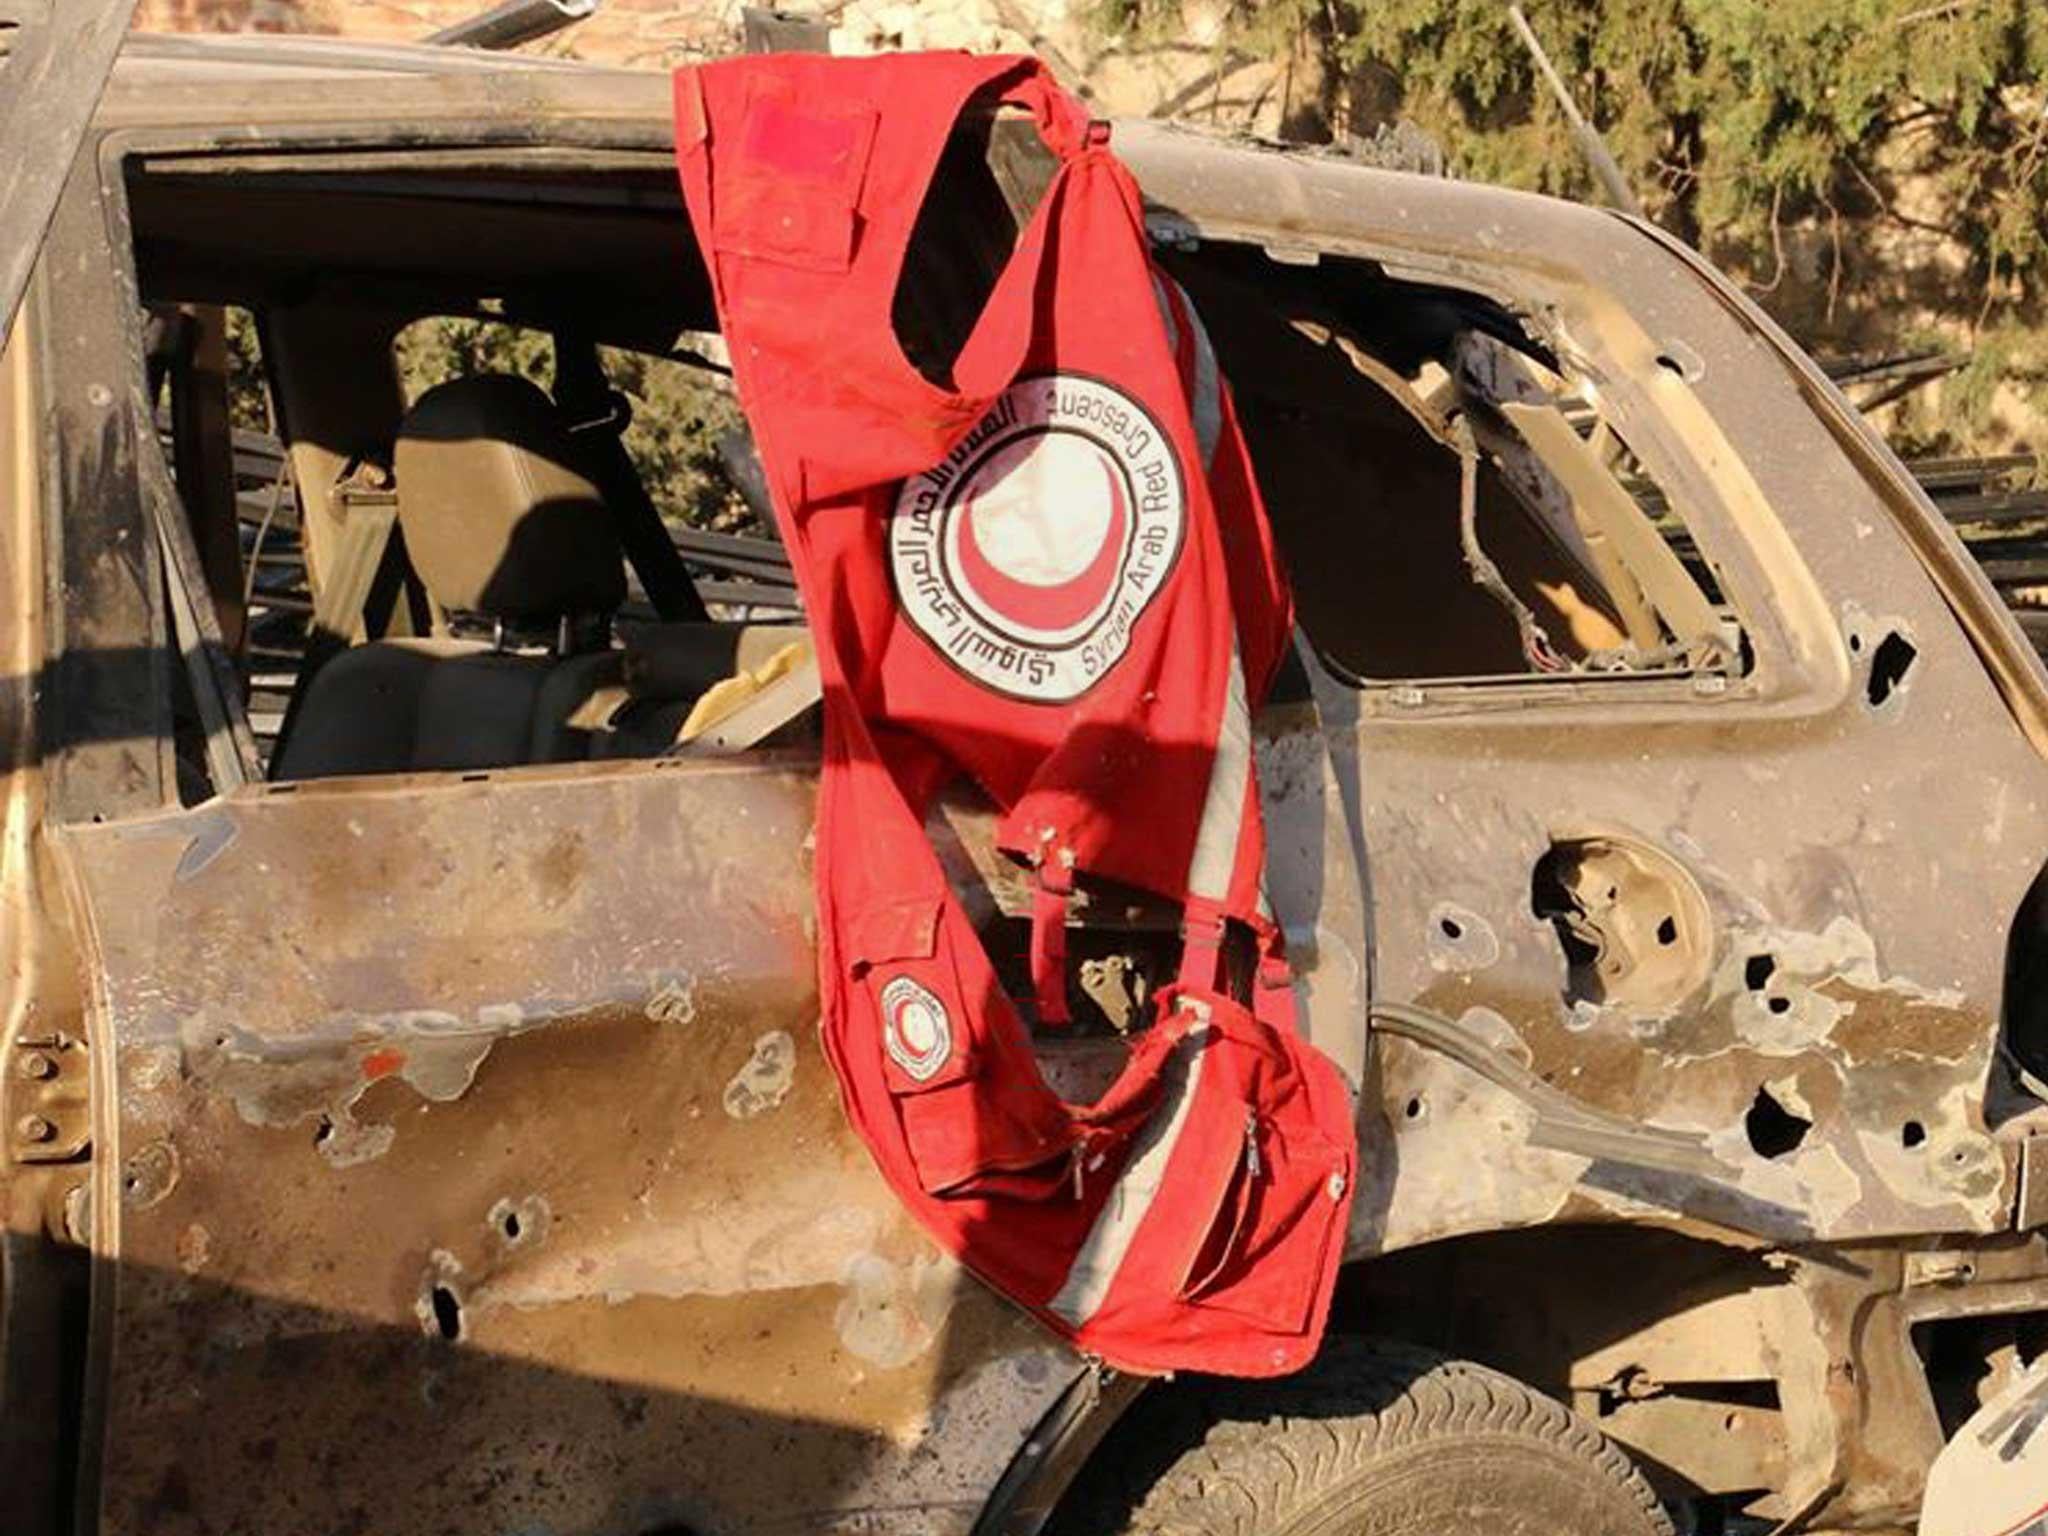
(465, 1156)
(54, 63)
(1757, 909)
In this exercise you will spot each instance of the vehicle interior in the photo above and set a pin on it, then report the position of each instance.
(421, 410)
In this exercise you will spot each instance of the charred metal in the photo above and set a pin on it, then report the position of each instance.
(1657, 809)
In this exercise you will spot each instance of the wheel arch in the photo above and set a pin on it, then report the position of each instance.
(1470, 1297)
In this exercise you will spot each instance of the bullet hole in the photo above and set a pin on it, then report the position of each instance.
(511, 1226)
(1667, 931)
(1856, 645)
(1912, 1133)
(1779, 1004)
(1682, 360)
(1889, 664)
(1757, 971)
(1773, 1129)
(1459, 939)
(323, 1132)
(447, 1312)
(1414, 1108)
(149, 1175)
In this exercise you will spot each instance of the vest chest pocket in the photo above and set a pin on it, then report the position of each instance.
(976, 1116)
(796, 203)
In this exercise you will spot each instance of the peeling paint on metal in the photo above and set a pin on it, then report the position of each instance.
(443, 1272)
(322, 1075)
(344, 1141)
(1869, 640)
(764, 1082)
(149, 1175)
(673, 1001)
(519, 1223)
(1497, 1032)
(212, 835)
(1940, 1157)
(194, 1245)
(1773, 981)
(893, 1313)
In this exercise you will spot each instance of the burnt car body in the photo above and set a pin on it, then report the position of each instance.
(1656, 815)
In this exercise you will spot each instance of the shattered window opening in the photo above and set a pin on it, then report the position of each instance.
(1454, 502)
(1668, 615)
(550, 644)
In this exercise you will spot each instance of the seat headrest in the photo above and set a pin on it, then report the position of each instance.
(497, 517)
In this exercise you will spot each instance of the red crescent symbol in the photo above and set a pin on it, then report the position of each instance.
(1049, 607)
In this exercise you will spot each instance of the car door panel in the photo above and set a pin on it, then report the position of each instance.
(469, 1157)
(1852, 829)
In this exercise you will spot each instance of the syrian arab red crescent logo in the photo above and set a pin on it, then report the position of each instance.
(916, 1031)
(1028, 553)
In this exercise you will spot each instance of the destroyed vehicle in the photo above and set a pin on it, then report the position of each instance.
(415, 1117)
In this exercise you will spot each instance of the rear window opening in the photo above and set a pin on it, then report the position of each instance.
(1454, 502)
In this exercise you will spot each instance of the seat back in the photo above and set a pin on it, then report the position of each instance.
(502, 526)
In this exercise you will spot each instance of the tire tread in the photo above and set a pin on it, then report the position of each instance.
(1260, 1453)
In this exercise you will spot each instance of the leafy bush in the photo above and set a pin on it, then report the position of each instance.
(1874, 170)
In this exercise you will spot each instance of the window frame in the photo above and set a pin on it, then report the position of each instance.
(1502, 422)
(150, 527)
(1797, 667)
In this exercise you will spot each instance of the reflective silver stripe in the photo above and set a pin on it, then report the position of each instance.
(1166, 314)
(1207, 404)
(1230, 772)
(1205, 400)
(1116, 1224)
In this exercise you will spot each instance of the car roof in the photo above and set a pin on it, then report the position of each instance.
(260, 79)
(234, 88)
(297, 54)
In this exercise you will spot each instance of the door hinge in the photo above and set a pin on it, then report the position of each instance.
(48, 1098)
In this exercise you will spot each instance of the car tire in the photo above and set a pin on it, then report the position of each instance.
(1375, 1439)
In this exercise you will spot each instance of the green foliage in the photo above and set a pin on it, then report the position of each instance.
(1731, 113)
(434, 351)
(1865, 165)
(680, 416)
(248, 400)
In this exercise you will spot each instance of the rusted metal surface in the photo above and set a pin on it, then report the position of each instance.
(2032, 1213)
(45, 1120)
(492, 1113)
(464, 1153)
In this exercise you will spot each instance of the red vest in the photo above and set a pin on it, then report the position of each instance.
(1053, 575)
